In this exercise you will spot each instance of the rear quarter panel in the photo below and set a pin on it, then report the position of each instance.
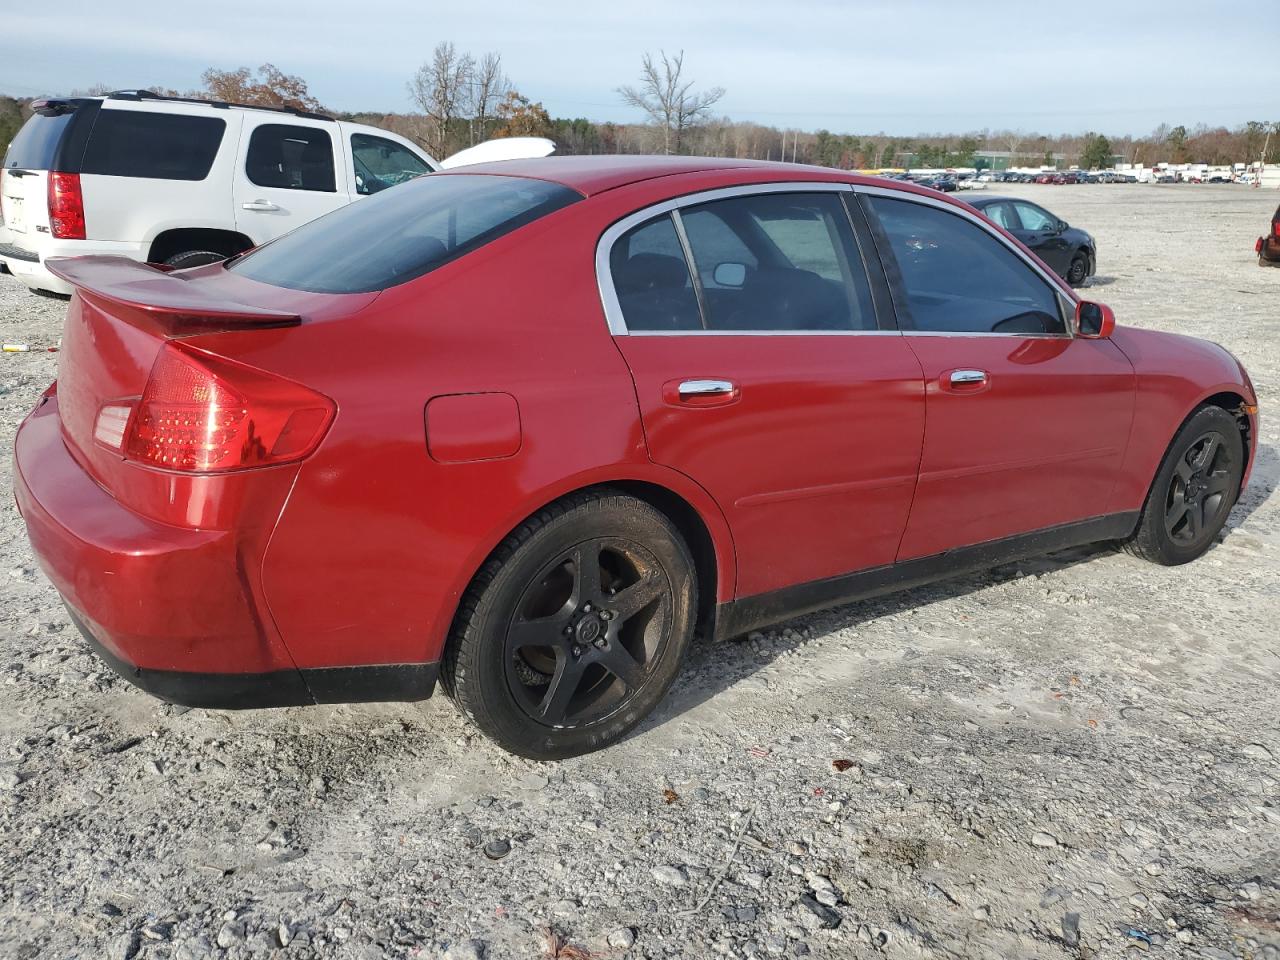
(378, 541)
(1175, 375)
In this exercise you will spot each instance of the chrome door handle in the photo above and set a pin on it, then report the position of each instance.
(960, 377)
(264, 205)
(705, 388)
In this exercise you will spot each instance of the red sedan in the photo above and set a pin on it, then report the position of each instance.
(526, 429)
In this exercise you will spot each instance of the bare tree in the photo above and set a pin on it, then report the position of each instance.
(1012, 141)
(669, 100)
(488, 87)
(441, 88)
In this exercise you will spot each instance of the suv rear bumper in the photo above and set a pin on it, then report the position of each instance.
(170, 608)
(28, 265)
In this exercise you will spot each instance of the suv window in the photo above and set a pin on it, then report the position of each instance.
(651, 278)
(779, 261)
(36, 144)
(290, 157)
(961, 279)
(398, 235)
(380, 163)
(157, 146)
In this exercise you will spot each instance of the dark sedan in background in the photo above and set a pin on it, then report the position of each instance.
(1268, 247)
(1069, 251)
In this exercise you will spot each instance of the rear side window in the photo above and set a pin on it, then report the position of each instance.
(36, 145)
(959, 278)
(290, 157)
(380, 163)
(401, 234)
(155, 146)
(651, 278)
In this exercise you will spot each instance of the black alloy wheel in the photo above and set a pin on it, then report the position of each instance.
(575, 627)
(1078, 272)
(1194, 490)
(585, 634)
(1201, 490)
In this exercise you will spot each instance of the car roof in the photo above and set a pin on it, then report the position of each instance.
(590, 175)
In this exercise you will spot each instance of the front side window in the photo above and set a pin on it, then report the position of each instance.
(290, 157)
(398, 235)
(778, 262)
(380, 163)
(651, 278)
(959, 278)
(1036, 218)
(157, 146)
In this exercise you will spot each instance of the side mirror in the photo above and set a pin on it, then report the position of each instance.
(730, 274)
(1094, 321)
(1060, 226)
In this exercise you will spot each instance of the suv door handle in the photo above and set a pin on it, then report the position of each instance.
(263, 205)
(700, 392)
(963, 377)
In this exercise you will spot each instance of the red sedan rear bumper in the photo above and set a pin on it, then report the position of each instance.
(171, 609)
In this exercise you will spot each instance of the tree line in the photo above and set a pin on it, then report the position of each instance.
(461, 99)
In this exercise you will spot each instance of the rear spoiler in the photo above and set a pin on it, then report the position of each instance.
(143, 293)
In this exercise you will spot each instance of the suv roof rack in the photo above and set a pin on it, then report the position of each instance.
(219, 104)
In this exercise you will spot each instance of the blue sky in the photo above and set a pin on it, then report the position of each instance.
(898, 66)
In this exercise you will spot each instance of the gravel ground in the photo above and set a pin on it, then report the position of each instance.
(1077, 756)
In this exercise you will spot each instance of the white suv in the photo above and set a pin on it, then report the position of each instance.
(185, 182)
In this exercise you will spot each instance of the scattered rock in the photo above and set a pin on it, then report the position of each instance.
(827, 917)
(670, 876)
(1071, 929)
(621, 939)
(497, 849)
(1043, 839)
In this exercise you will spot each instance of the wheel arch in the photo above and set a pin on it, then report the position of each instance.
(178, 239)
(1231, 401)
(695, 514)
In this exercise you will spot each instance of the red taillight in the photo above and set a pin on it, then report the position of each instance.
(201, 414)
(1275, 228)
(66, 206)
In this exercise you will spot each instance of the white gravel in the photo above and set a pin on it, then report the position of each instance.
(1077, 756)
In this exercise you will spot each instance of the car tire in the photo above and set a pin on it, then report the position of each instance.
(1078, 272)
(575, 627)
(194, 258)
(1191, 496)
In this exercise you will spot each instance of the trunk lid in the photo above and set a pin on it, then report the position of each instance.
(120, 318)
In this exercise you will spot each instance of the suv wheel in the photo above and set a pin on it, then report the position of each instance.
(576, 627)
(194, 258)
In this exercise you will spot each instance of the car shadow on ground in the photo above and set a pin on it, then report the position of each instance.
(1098, 281)
(712, 668)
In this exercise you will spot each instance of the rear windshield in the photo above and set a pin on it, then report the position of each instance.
(157, 146)
(402, 233)
(36, 145)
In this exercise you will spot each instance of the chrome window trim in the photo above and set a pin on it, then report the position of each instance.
(1060, 296)
(604, 247)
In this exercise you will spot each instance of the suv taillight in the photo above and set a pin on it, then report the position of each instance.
(66, 206)
(1275, 229)
(202, 413)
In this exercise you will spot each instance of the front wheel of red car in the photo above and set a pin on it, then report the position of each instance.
(1194, 490)
(575, 628)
